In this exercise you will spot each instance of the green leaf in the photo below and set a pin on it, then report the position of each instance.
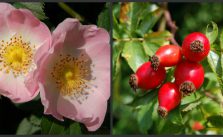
(190, 99)
(190, 106)
(212, 33)
(175, 116)
(50, 125)
(104, 19)
(215, 63)
(29, 126)
(210, 80)
(73, 129)
(155, 40)
(216, 120)
(37, 8)
(149, 19)
(210, 107)
(144, 117)
(139, 18)
(134, 54)
(117, 50)
(221, 40)
(170, 128)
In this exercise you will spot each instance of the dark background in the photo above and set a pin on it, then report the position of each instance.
(10, 114)
(191, 17)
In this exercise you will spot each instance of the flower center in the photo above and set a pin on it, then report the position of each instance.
(16, 56)
(72, 75)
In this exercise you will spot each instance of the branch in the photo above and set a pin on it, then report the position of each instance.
(129, 39)
(211, 96)
(172, 25)
(70, 11)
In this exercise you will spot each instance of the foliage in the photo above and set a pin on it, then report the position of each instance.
(136, 38)
(37, 8)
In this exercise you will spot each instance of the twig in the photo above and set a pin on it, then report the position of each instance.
(209, 95)
(130, 39)
(172, 25)
(70, 11)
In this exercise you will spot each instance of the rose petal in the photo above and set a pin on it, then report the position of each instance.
(49, 100)
(15, 89)
(5, 7)
(70, 27)
(98, 49)
(23, 22)
(91, 112)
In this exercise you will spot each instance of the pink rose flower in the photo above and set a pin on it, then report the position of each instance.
(21, 37)
(74, 75)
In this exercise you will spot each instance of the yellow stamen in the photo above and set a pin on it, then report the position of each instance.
(16, 56)
(71, 75)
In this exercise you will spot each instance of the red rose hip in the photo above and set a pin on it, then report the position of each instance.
(169, 97)
(195, 47)
(166, 56)
(189, 76)
(146, 78)
(197, 126)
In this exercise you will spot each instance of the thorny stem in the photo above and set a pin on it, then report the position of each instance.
(70, 11)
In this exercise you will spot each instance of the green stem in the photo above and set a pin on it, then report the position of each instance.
(70, 11)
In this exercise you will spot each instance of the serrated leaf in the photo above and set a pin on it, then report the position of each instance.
(215, 63)
(210, 80)
(139, 18)
(211, 107)
(216, 121)
(117, 50)
(29, 126)
(146, 98)
(104, 19)
(212, 32)
(37, 8)
(144, 117)
(190, 106)
(149, 19)
(190, 99)
(50, 125)
(134, 54)
(155, 40)
(175, 116)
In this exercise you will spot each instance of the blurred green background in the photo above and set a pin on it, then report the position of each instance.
(138, 31)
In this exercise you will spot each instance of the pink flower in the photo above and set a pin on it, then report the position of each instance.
(21, 37)
(74, 75)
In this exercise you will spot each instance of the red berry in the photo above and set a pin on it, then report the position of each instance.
(167, 56)
(147, 78)
(169, 97)
(195, 47)
(189, 76)
(197, 126)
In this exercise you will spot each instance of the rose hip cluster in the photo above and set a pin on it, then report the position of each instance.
(189, 73)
